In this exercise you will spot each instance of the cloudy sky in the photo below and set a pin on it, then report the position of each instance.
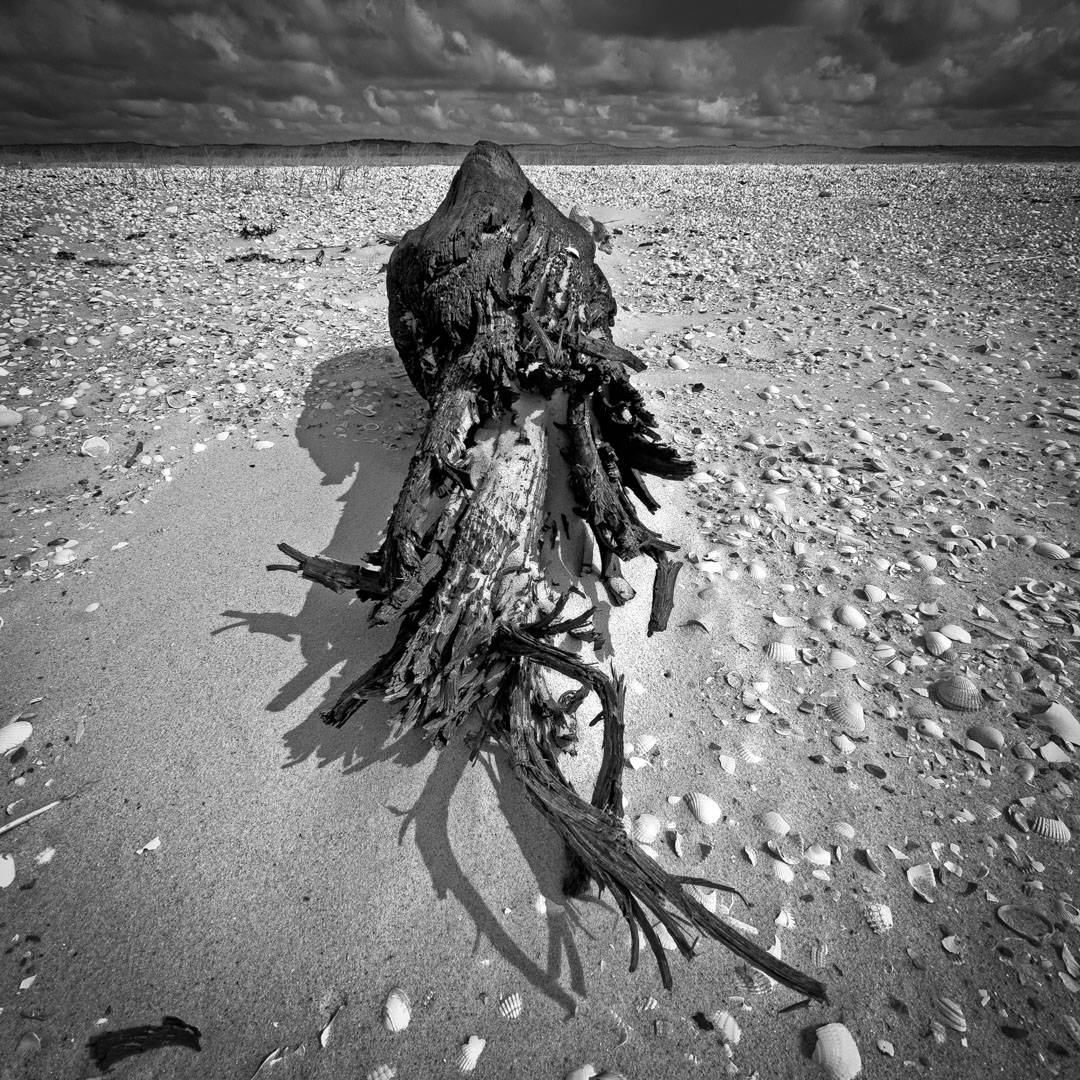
(846, 72)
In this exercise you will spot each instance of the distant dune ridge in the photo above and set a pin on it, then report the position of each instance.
(403, 152)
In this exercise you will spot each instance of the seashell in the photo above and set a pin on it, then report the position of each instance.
(1061, 722)
(582, 1072)
(1025, 771)
(511, 1007)
(704, 808)
(1050, 551)
(874, 593)
(705, 897)
(98, 448)
(470, 1053)
(956, 633)
(758, 570)
(848, 713)
(922, 561)
(818, 855)
(840, 660)
(821, 622)
(819, 953)
(14, 734)
(396, 1010)
(749, 755)
(782, 652)
(936, 643)
(843, 743)
(958, 692)
(986, 735)
(1052, 828)
(645, 745)
(930, 727)
(849, 615)
(663, 935)
(775, 823)
(921, 878)
(752, 981)
(646, 828)
(1024, 920)
(837, 1053)
(844, 829)
(382, 1072)
(951, 1013)
(1070, 913)
(727, 1027)
(879, 916)
(782, 872)
(1072, 1027)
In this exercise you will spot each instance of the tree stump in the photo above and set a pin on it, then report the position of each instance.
(503, 322)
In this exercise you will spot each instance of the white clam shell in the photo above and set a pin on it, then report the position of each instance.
(921, 878)
(837, 1053)
(14, 734)
(1050, 551)
(582, 1072)
(848, 713)
(840, 660)
(646, 828)
(849, 615)
(1052, 828)
(956, 633)
(874, 593)
(95, 447)
(951, 1013)
(396, 1010)
(775, 823)
(937, 644)
(704, 808)
(727, 1027)
(818, 855)
(470, 1053)
(1058, 719)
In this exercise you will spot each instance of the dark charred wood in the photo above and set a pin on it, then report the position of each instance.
(503, 322)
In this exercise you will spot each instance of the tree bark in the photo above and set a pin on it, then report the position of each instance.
(503, 322)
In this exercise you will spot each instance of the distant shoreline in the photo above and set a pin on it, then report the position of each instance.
(376, 152)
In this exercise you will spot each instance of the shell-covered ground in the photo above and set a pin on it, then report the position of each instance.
(871, 668)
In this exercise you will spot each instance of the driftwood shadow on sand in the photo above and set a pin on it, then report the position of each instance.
(332, 630)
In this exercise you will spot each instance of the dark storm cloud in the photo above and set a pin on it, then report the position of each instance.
(662, 71)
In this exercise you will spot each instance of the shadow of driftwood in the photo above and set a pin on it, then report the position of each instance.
(333, 631)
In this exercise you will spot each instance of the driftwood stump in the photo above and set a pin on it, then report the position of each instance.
(503, 322)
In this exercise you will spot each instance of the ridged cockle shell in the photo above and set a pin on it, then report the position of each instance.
(704, 808)
(837, 1053)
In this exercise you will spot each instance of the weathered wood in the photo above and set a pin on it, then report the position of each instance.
(503, 322)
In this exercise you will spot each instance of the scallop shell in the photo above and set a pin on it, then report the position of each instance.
(848, 713)
(1050, 551)
(396, 1010)
(818, 855)
(511, 1006)
(1057, 718)
(1053, 829)
(382, 1072)
(758, 570)
(921, 878)
(956, 633)
(727, 1027)
(646, 828)
(775, 823)
(937, 644)
(782, 652)
(849, 615)
(837, 1053)
(879, 916)
(958, 692)
(704, 808)
(782, 872)
(470, 1053)
(874, 593)
(951, 1013)
(14, 734)
(843, 743)
(922, 561)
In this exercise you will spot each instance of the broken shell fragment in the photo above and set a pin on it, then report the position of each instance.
(14, 734)
(951, 1013)
(752, 981)
(704, 808)
(470, 1053)
(95, 447)
(510, 1007)
(1052, 828)
(837, 1053)
(921, 878)
(1061, 722)
(958, 692)
(879, 916)
(782, 652)
(775, 823)
(1030, 924)
(726, 1027)
(396, 1010)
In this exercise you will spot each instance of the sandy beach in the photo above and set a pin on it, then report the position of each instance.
(876, 369)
